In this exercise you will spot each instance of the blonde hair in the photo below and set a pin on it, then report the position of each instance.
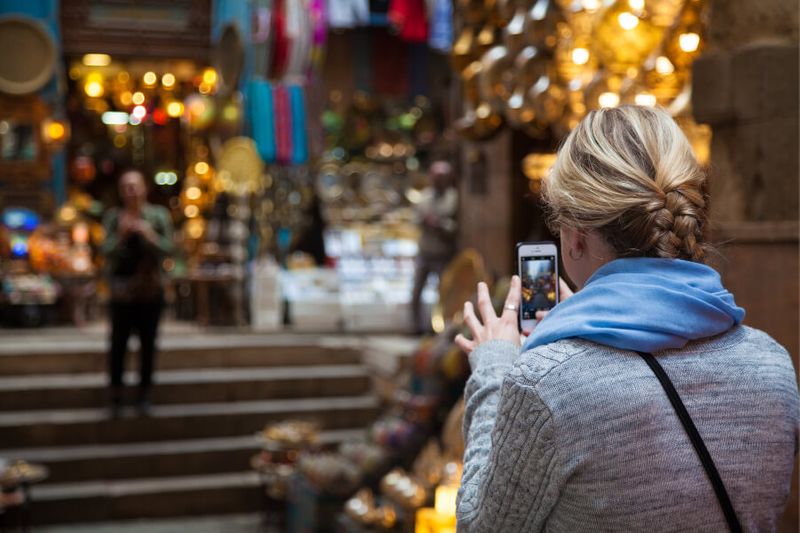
(630, 174)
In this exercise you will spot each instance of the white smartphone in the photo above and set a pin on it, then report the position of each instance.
(537, 265)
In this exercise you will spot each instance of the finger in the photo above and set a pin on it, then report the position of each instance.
(485, 304)
(472, 322)
(511, 307)
(541, 314)
(465, 344)
(564, 290)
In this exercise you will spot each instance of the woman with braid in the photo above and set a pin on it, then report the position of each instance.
(576, 430)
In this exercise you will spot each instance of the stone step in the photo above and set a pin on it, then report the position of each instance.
(64, 427)
(60, 391)
(91, 501)
(213, 352)
(163, 458)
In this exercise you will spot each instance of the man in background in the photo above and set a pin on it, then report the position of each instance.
(138, 239)
(436, 215)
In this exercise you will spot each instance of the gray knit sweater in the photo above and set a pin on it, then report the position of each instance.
(574, 436)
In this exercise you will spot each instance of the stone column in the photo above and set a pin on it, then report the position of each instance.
(746, 87)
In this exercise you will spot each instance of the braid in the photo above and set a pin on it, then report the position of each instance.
(676, 224)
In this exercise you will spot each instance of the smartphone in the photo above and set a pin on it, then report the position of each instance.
(537, 264)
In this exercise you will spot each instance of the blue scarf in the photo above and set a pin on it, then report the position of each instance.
(643, 304)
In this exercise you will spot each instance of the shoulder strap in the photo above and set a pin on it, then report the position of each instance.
(697, 442)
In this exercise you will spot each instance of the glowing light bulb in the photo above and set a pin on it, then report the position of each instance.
(201, 167)
(96, 60)
(193, 193)
(580, 56)
(55, 131)
(627, 21)
(646, 99)
(94, 89)
(139, 112)
(174, 109)
(636, 5)
(168, 80)
(94, 85)
(689, 42)
(191, 211)
(150, 78)
(664, 65)
(138, 98)
(209, 76)
(608, 99)
(126, 98)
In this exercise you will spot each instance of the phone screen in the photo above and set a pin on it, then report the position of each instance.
(539, 281)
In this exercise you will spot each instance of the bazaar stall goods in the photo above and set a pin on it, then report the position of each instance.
(282, 444)
(555, 60)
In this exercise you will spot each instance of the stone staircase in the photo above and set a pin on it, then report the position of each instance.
(191, 455)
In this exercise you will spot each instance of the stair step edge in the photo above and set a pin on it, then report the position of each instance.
(126, 487)
(89, 415)
(97, 451)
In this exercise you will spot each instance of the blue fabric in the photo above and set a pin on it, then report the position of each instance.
(262, 118)
(441, 37)
(643, 304)
(299, 135)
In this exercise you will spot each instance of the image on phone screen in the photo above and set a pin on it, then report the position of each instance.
(538, 285)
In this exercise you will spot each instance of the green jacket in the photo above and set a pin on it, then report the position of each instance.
(159, 219)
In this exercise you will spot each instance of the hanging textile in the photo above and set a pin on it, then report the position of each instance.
(262, 118)
(299, 132)
(441, 38)
(410, 19)
(343, 14)
(283, 124)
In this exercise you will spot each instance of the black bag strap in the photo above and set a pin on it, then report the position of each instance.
(697, 442)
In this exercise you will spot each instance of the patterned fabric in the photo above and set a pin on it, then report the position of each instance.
(575, 436)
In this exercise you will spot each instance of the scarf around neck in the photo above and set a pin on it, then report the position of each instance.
(643, 304)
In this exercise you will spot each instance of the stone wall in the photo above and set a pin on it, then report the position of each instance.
(746, 87)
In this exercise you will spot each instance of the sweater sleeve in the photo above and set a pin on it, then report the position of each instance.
(163, 228)
(511, 477)
(110, 244)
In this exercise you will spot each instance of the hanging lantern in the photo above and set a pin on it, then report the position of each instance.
(548, 98)
(662, 79)
(603, 91)
(463, 49)
(495, 80)
(546, 23)
(529, 66)
(684, 41)
(514, 32)
(624, 37)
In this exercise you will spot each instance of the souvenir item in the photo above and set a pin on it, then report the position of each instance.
(262, 119)
(239, 164)
(32, 64)
(228, 59)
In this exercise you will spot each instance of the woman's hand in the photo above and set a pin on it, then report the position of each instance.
(493, 327)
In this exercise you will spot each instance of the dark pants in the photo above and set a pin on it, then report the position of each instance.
(424, 268)
(125, 318)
